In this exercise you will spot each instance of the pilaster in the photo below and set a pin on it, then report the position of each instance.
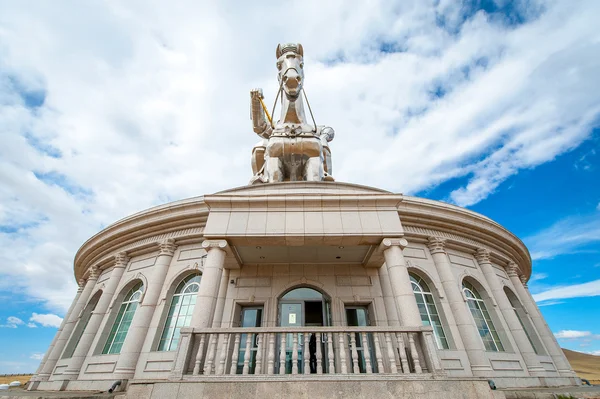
(480, 366)
(69, 322)
(534, 367)
(209, 284)
(137, 334)
(400, 281)
(520, 284)
(87, 338)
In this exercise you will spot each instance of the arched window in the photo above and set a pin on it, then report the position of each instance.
(180, 312)
(428, 311)
(524, 320)
(482, 318)
(121, 324)
(81, 325)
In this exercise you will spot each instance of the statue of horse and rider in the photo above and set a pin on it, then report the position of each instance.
(291, 149)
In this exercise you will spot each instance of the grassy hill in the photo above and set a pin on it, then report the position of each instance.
(586, 366)
(7, 379)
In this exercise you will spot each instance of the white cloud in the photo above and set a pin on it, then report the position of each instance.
(572, 334)
(37, 356)
(46, 320)
(566, 236)
(144, 106)
(12, 322)
(31, 325)
(591, 288)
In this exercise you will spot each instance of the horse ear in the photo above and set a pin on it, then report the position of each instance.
(278, 51)
(300, 50)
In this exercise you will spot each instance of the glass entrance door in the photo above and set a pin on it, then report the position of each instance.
(249, 317)
(358, 316)
(302, 307)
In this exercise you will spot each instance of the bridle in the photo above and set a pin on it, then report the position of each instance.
(303, 92)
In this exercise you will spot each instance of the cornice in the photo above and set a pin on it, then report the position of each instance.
(176, 220)
(422, 218)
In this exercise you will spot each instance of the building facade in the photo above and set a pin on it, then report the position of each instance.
(299, 286)
(300, 282)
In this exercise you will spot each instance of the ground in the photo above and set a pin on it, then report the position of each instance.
(7, 379)
(586, 366)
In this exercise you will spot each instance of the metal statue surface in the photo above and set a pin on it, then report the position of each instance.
(292, 149)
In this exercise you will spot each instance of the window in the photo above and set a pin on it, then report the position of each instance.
(180, 312)
(482, 318)
(523, 319)
(428, 311)
(81, 326)
(121, 325)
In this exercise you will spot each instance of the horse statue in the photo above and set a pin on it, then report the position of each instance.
(291, 149)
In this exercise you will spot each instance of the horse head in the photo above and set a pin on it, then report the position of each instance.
(290, 65)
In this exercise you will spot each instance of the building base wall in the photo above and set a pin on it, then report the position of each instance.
(346, 389)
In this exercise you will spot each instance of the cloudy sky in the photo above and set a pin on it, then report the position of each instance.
(107, 108)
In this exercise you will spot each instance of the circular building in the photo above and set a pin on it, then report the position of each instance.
(298, 285)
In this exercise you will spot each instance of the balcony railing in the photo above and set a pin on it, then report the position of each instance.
(295, 351)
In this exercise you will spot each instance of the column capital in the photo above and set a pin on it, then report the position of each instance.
(387, 243)
(167, 247)
(523, 279)
(212, 244)
(512, 269)
(80, 285)
(482, 255)
(94, 273)
(121, 259)
(436, 245)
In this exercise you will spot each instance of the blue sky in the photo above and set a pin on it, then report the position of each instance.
(493, 105)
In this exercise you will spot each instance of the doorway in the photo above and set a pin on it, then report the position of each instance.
(303, 307)
(250, 316)
(358, 316)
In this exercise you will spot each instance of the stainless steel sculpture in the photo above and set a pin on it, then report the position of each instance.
(291, 149)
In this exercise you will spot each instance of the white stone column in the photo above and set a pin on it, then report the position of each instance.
(68, 324)
(220, 305)
(391, 310)
(400, 282)
(480, 366)
(87, 338)
(138, 330)
(209, 284)
(534, 367)
(548, 339)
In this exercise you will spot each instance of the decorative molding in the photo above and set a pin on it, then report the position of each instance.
(353, 281)
(394, 242)
(145, 242)
(242, 282)
(167, 247)
(414, 252)
(483, 256)
(142, 263)
(436, 245)
(191, 253)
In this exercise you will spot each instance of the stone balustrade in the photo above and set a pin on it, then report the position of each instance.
(236, 352)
